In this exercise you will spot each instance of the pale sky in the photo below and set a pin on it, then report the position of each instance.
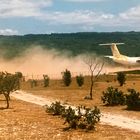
(65, 16)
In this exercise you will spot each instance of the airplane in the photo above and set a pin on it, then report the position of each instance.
(121, 59)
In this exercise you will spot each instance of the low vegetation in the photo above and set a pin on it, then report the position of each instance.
(66, 76)
(80, 80)
(121, 77)
(112, 96)
(133, 99)
(56, 108)
(46, 80)
(81, 117)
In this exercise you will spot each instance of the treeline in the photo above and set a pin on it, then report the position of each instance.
(132, 72)
(76, 43)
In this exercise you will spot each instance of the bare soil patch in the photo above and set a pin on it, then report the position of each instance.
(26, 121)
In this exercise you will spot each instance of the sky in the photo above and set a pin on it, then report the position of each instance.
(20, 17)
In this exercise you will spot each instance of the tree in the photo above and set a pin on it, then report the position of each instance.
(66, 77)
(95, 67)
(80, 80)
(8, 83)
(121, 77)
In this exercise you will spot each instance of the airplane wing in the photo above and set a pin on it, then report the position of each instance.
(109, 60)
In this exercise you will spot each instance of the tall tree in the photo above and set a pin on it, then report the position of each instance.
(95, 67)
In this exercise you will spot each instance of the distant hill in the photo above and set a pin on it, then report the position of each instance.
(76, 43)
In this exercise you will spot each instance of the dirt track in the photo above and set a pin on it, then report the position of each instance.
(106, 118)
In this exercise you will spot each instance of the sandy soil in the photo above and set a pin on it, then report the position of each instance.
(106, 118)
(26, 121)
(29, 121)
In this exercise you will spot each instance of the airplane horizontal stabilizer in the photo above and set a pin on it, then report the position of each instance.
(109, 44)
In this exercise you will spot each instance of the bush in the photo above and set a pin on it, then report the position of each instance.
(113, 97)
(121, 77)
(71, 118)
(133, 100)
(80, 80)
(90, 118)
(67, 77)
(83, 118)
(46, 80)
(56, 108)
(33, 83)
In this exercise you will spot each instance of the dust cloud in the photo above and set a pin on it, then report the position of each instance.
(36, 61)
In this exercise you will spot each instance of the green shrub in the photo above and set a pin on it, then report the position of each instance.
(83, 118)
(121, 77)
(80, 80)
(66, 77)
(55, 108)
(133, 100)
(71, 118)
(46, 80)
(90, 118)
(113, 97)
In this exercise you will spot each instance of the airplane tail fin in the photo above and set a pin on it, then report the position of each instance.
(114, 48)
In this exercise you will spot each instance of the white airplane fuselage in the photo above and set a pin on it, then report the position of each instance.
(122, 59)
(125, 60)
